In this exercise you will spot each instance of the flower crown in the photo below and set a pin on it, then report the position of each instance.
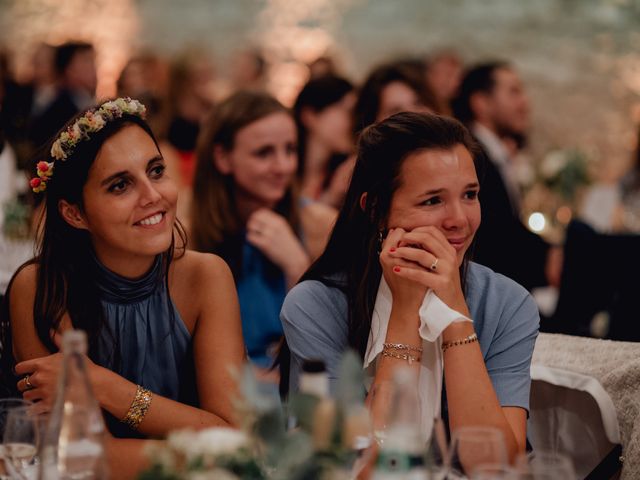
(92, 121)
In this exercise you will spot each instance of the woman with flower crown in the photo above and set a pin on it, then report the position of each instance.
(162, 322)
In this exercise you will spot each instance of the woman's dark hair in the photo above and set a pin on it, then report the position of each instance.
(368, 103)
(215, 221)
(64, 255)
(317, 95)
(350, 261)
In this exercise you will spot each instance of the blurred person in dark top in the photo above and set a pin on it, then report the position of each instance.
(76, 79)
(190, 99)
(27, 99)
(391, 88)
(493, 103)
(323, 112)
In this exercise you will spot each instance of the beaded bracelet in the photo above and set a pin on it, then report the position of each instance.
(463, 341)
(402, 346)
(401, 356)
(139, 407)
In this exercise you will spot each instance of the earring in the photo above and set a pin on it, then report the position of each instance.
(380, 240)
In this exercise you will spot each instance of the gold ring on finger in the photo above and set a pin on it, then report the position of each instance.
(27, 382)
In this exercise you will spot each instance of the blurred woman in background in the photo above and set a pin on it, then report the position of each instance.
(391, 88)
(323, 113)
(246, 209)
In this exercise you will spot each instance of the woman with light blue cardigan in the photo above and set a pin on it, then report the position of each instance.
(396, 283)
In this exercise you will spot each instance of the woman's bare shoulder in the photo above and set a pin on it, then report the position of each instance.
(197, 267)
(24, 281)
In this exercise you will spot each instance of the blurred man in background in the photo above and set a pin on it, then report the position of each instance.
(493, 103)
(75, 69)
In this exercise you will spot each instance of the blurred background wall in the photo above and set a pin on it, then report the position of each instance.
(579, 58)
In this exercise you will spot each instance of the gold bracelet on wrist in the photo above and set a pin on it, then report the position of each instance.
(463, 341)
(139, 407)
(402, 346)
(401, 356)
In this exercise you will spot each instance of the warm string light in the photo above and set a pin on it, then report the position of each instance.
(294, 34)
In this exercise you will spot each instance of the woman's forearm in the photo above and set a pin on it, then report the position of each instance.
(126, 458)
(471, 399)
(115, 394)
(403, 328)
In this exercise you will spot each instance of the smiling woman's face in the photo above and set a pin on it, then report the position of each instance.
(439, 188)
(263, 160)
(129, 201)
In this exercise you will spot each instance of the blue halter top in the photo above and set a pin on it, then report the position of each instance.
(146, 341)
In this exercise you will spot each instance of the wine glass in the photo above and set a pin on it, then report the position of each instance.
(488, 471)
(543, 465)
(20, 442)
(472, 447)
(6, 404)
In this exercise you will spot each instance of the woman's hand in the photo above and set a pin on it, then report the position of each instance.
(39, 380)
(423, 256)
(273, 236)
(407, 294)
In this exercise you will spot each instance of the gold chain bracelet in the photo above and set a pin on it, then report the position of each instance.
(139, 407)
(402, 346)
(463, 341)
(401, 356)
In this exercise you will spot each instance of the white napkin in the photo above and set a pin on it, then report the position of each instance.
(435, 316)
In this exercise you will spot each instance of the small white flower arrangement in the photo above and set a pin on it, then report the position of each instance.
(322, 447)
(564, 171)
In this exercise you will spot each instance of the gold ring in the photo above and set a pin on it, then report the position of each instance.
(434, 265)
(27, 381)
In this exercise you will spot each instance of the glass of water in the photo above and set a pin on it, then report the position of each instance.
(20, 442)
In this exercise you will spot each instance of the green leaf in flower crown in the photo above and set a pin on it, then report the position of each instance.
(350, 389)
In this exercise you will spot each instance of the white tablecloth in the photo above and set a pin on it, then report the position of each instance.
(585, 398)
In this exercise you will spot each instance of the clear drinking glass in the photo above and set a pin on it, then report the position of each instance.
(20, 442)
(7, 404)
(472, 447)
(543, 465)
(488, 471)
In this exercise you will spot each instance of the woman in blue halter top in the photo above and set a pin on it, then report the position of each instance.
(245, 208)
(162, 322)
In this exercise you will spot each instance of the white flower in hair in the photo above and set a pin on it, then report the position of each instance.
(91, 122)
